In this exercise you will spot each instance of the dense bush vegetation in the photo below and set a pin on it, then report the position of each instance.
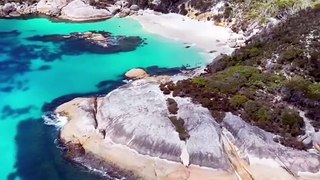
(266, 81)
(179, 125)
(172, 106)
(241, 90)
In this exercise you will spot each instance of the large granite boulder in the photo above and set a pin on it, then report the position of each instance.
(316, 141)
(77, 10)
(25, 9)
(51, 7)
(136, 73)
(9, 7)
(134, 123)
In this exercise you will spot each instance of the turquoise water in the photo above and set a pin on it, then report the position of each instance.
(26, 145)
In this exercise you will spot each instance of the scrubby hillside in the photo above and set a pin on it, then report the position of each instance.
(239, 13)
(268, 81)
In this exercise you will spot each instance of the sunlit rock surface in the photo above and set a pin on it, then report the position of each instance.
(77, 10)
(132, 124)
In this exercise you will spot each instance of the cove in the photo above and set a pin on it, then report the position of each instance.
(35, 73)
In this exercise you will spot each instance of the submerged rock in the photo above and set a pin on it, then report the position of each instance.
(93, 42)
(134, 123)
(51, 7)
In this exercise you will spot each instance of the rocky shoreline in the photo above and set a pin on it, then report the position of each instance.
(242, 17)
(142, 134)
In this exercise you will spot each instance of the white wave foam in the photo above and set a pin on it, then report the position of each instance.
(52, 119)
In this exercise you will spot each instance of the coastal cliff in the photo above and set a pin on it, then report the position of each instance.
(134, 129)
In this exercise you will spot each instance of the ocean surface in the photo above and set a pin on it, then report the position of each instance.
(36, 76)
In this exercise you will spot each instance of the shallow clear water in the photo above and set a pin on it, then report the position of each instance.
(30, 78)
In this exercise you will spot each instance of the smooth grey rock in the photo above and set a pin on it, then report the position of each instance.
(122, 3)
(8, 8)
(204, 144)
(137, 115)
(51, 7)
(134, 7)
(2, 14)
(14, 14)
(124, 12)
(260, 143)
(316, 140)
(307, 141)
(114, 9)
(77, 10)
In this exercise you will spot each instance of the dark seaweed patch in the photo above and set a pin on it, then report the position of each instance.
(7, 34)
(78, 43)
(8, 111)
(157, 71)
(44, 68)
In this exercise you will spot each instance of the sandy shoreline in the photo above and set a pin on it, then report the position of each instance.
(212, 39)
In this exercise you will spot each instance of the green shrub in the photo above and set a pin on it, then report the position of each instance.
(285, 3)
(291, 53)
(199, 81)
(231, 80)
(314, 91)
(179, 126)
(298, 83)
(251, 107)
(238, 100)
(316, 6)
(172, 106)
(263, 115)
(253, 52)
(291, 118)
(309, 89)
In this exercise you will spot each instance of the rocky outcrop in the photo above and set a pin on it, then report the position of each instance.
(51, 7)
(133, 123)
(77, 10)
(17, 9)
(136, 73)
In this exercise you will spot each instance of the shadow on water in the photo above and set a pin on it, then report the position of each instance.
(39, 159)
(9, 112)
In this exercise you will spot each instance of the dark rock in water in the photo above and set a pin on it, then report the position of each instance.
(157, 71)
(99, 42)
(74, 150)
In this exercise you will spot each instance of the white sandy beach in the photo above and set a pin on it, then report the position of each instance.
(204, 35)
